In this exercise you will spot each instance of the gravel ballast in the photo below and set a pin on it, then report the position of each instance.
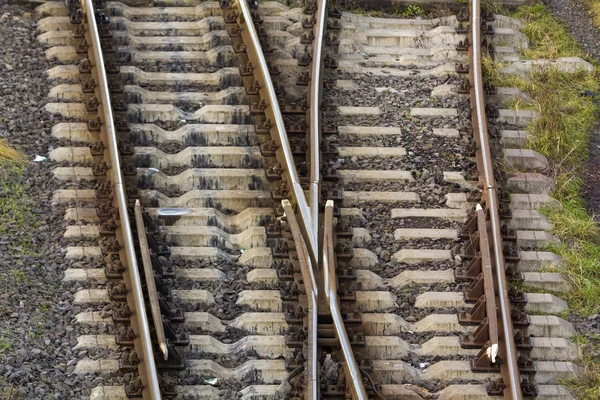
(37, 317)
(575, 15)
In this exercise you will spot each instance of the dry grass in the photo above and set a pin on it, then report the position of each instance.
(7, 153)
(594, 7)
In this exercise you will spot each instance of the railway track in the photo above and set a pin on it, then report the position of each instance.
(298, 203)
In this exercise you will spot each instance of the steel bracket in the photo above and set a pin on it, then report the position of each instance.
(482, 362)
(121, 314)
(463, 45)
(176, 338)
(117, 291)
(113, 268)
(471, 270)
(478, 339)
(162, 267)
(476, 315)
(475, 290)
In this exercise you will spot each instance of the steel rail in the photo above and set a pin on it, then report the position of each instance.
(147, 367)
(257, 57)
(508, 352)
(312, 293)
(150, 283)
(488, 283)
(330, 281)
(316, 82)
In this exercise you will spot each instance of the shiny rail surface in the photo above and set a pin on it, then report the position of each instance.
(305, 226)
(311, 371)
(331, 292)
(139, 319)
(507, 349)
(314, 111)
(328, 254)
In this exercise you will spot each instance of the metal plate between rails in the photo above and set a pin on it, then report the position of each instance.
(173, 212)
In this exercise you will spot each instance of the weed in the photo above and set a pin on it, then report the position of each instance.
(586, 385)
(413, 11)
(561, 133)
(17, 276)
(4, 343)
(548, 38)
(594, 6)
(15, 207)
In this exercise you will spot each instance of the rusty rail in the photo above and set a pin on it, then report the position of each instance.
(139, 320)
(507, 350)
(150, 283)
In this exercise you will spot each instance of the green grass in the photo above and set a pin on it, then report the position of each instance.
(15, 208)
(562, 133)
(410, 11)
(547, 36)
(587, 385)
(594, 7)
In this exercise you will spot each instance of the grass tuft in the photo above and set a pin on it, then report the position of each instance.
(594, 7)
(548, 37)
(567, 114)
(587, 384)
(7, 153)
(15, 209)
